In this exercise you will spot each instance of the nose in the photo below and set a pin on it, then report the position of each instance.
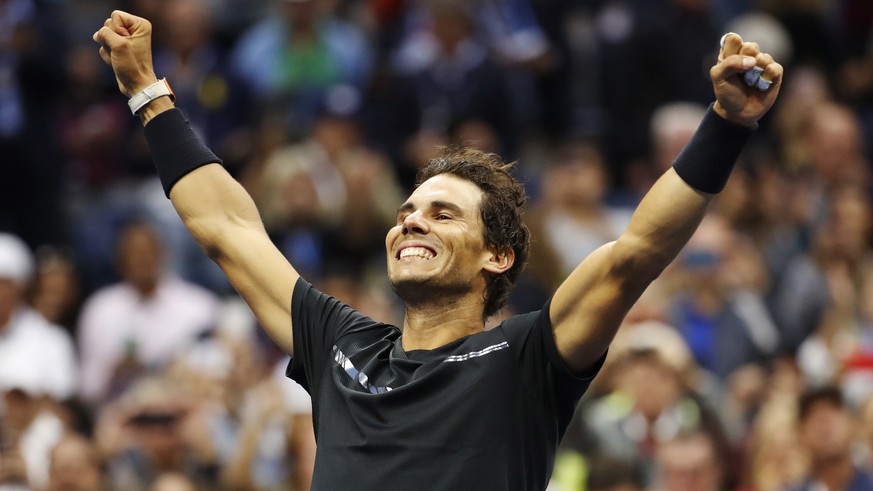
(415, 222)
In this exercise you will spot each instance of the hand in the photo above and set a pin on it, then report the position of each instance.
(735, 100)
(126, 45)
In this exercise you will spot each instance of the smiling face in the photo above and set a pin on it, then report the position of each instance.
(437, 249)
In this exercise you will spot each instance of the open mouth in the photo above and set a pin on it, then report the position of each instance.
(416, 252)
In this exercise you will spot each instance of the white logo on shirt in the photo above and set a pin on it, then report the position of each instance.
(476, 354)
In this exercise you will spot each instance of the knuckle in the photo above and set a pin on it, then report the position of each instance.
(750, 47)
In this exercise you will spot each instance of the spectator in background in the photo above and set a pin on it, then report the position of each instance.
(276, 445)
(327, 197)
(31, 83)
(512, 32)
(445, 76)
(827, 432)
(648, 402)
(630, 36)
(139, 323)
(718, 304)
(835, 149)
(241, 413)
(149, 431)
(27, 340)
(670, 129)
(773, 456)
(29, 425)
(690, 461)
(367, 175)
(218, 103)
(56, 293)
(76, 465)
(574, 218)
(823, 297)
(291, 58)
(301, 193)
(607, 474)
(38, 371)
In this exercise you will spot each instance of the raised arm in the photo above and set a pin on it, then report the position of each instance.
(214, 207)
(589, 306)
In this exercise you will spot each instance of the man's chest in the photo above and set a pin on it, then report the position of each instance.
(374, 397)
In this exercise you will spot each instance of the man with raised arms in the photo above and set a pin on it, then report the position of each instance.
(440, 403)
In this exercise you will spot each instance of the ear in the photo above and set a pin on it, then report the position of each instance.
(499, 261)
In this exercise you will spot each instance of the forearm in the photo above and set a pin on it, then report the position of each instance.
(209, 201)
(662, 224)
(674, 207)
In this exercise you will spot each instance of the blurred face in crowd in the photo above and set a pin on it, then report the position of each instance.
(303, 14)
(477, 134)
(689, 464)
(56, 289)
(702, 260)
(827, 432)
(75, 466)
(578, 178)
(140, 258)
(19, 409)
(158, 431)
(834, 143)
(451, 24)
(850, 222)
(652, 384)
(187, 25)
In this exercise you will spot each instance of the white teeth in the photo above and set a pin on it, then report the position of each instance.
(421, 252)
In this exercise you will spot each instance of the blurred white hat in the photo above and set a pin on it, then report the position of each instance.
(19, 372)
(766, 30)
(16, 260)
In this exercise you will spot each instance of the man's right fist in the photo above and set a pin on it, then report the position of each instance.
(126, 45)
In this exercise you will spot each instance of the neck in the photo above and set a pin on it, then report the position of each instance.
(146, 289)
(835, 474)
(432, 326)
(5, 320)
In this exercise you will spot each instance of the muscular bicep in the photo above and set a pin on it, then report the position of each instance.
(265, 280)
(592, 302)
(589, 306)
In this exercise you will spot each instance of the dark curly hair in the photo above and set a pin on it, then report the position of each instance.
(502, 207)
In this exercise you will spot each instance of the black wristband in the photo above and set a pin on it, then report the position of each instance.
(707, 161)
(176, 149)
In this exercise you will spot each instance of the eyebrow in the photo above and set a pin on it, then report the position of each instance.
(441, 205)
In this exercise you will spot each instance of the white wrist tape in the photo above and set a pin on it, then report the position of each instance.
(161, 88)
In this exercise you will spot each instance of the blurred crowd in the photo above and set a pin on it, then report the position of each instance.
(127, 362)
